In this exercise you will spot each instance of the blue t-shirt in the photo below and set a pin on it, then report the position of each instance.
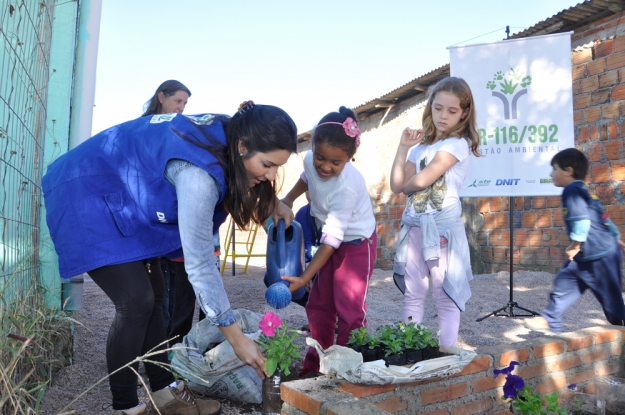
(579, 205)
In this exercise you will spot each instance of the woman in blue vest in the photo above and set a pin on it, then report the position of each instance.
(147, 188)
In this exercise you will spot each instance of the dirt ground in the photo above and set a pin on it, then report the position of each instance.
(490, 292)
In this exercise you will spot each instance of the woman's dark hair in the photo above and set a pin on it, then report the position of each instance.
(260, 129)
(168, 88)
(573, 158)
(334, 134)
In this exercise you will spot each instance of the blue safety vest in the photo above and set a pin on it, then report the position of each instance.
(108, 201)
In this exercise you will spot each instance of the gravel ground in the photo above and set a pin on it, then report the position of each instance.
(490, 292)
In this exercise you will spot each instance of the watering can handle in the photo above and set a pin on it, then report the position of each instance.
(281, 243)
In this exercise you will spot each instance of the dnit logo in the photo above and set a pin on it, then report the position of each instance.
(546, 181)
(507, 182)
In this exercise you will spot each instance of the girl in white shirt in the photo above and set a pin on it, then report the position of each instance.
(432, 176)
(342, 209)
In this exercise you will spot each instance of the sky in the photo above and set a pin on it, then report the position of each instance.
(307, 57)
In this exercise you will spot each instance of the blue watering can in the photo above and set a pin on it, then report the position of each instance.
(285, 257)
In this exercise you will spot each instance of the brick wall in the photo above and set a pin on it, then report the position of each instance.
(547, 365)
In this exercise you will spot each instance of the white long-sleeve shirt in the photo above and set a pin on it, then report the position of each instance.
(341, 203)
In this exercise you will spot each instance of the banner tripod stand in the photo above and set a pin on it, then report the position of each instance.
(508, 309)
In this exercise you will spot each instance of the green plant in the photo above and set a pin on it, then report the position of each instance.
(358, 337)
(34, 342)
(373, 342)
(429, 339)
(413, 336)
(521, 397)
(277, 341)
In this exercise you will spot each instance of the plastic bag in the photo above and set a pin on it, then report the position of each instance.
(207, 359)
(347, 364)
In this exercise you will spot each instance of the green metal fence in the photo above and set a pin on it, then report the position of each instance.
(25, 38)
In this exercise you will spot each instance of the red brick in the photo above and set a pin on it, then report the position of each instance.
(535, 237)
(539, 202)
(553, 201)
(544, 219)
(601, 96)
(582, 377)
(446, 393)
(614, 150)
(616, 213)
(578, 116)
(596, 67)
(364, 390)
(590, 84)
(613, 129)
(578, 71)
(478, 364)
(615, 61)
(528, 220)
(489, 220)
(605, 193)
(594, 356)
(565, 364)
(603, 49)
(393, 404)
(584, 134)
(581, 56)
(486, 253)
(618, 170)
(520, 237)
(551, 385)
(303, 402)
(527, 256)
(581, 101)
(475, 407)
(594, 133)
(607, 336)
(594, 152)
(600, 173)
(501, 220)
(550, 238)
(610, 111)
(579, 343)
(619, 44)
(487, 383)
(496, 204)
(618, 93)
(556, 256)
(520, 355)
(608, 369)
(549, 349)
(500, 255)
(482, 204)
(529, 372)
(608, 79)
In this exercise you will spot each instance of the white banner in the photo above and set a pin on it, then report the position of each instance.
(523, 94)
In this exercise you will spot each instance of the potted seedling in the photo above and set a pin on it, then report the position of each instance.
(370, 351)
(412, 343)
(358, 339)
(430, 351)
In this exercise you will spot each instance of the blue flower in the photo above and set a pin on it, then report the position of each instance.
(513, 384)
(572, 386)
(507, 370)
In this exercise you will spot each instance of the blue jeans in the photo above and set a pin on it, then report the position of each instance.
(602, 276)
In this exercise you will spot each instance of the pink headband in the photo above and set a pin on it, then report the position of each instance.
(350, 126)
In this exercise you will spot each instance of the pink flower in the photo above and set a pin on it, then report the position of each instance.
(269, 323)
(351, 128)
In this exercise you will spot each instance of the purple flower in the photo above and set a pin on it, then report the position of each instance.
(513, 384)
(269, 323)
(507, 370)
(572, 386)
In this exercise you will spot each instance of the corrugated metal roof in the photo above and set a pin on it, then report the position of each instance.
(567, 20)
